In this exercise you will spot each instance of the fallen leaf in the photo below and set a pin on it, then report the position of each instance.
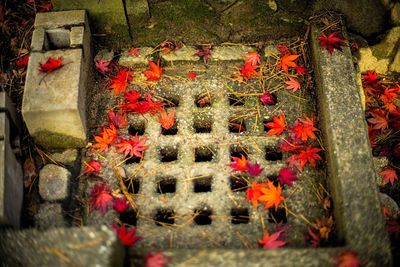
(204, 52)
(254, 192)
(388, 174)
(127, 238)
(272, 240)
(277, 126)
(287, 176)
(192, 75)
(303, 156)
(134, 52)
(30, 172)
(167, 120)
(253, 58)
(324, 226)
(105, 138)
(92, 166)
(287, 61)
(121, 81)
(132, 147)
(348, 258)
(268, 99)
(100, 197)
(51, 64)
(155, 72)
(254, 169)
(331, 42)
(271, 195)
(292, 84)
(120, 204)
(248, 71)
(379, 119)
(304, 128)
(103, 66)
(370, 78)
(22, 61)
(239, 164)
(118, 118)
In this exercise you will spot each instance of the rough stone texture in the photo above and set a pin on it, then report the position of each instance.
(59, 38)
(271, 51)
(386, 47)
(104, 54)
(54, 182)
(379, 164)
(138, 12)
(350, 171)
(358, 14)
(367, 61)
(142, 59)
(230, 52)
(395, 14)
(63, 247)
(50, 215)
(395, 65)
(77, 36)
(67, 157)
(39, 40)
(186, 53)
(389, 203)
(52, 20)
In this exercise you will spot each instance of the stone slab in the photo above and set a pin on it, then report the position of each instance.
(138, 12)
(66, 157)
(52, 20)
(395, 65)
(186, 53)
(386, 47)
(58, 38)
(53, 104)
(129, 61)
(230, 52)
(54, 182)
(350, 171)
(50, 215)
(62, 247)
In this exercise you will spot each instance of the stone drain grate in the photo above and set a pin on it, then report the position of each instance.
(186, 194)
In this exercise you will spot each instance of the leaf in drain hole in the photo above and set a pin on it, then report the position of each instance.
(239, 164)
(304, 128)
(134, 147)
(268, 99)
(287, 61)
(92, 166)
(155, 72)
(287, 176)
(253, 58)
(192, 75)
(331, 42)
(167, 120)
(277, 126)
(271, 195)
(118, 118)
(51, 65)
(388, 174)
(155, 259)
(120, 204)
(127, 237)
(105, 138)
(121, 81)
(103, 66)
(254, 169)
(272, 240)
(204, 101)
(348, 258)
(100, 197)
(292, 84)
(254, 192)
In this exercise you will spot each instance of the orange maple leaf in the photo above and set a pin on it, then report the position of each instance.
(121, 81)
(271, 195)
(348, 258)
(292, 84)
(272, 240)
(253, 58)
(105, 138)
(388, 174)
(167, 120)
(287, 61)
(248, 71)
(254, 192)
(277, 126)
(155, 72)
(379, 119)
(133, 147)
(239, 164)
(304, 128)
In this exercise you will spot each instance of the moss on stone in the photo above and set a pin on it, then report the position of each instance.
(52, 140)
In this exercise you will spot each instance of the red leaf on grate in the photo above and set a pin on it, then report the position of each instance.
(134, 147)
(271, 195)
(248, 71)
(134, 52)
(348, 258)
(192, 75)
(287, 176)
(51, 65)
(204, 52)
(100, 197)
(103, 66)
(132, 97)
(92, 166)
(272, 240)
(277, 126)
(155, 72)
(118, 118)
(127, 238)
(144, 106)
(254, 192)
(292, 84)
(304, 128)
(388, 174)
(105, 138)
(253, 58)
(268, 99)
(303, 156)
(121, 204)
(155, 259)
(239, 164)
(167, 120)
(287, 61)
(254, 169)
(331, 42)
(121, 81)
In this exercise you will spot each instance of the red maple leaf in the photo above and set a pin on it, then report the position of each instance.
(254, 192)
(22, 61)
(120, 204)
(192, 75)
(239, 164)
(144, 106)
(289, 145)
(287, 61)
(287, 176)
(253, 58)
(313, 238)
(127, 238)
(157, 259)
(204, 52)
(133, 147)
(118, 118)
(277, 126)
(105, 138)
(248, 71)
(103, 66)
(388, 174)
(331, 42)
(303, 156)
(370, 78)
(304, 128)
(155, 72)
(254, 169)
(348, 258)
(121, 81)
(292, 84)
(100, 197)
(283, 49)
(92, 166)
(51, 64)
(301, 70)
(134, 52)
(167, 120)
(272, 240)
(132, 97)
(271, 195)
(268, 99)
(379, 119)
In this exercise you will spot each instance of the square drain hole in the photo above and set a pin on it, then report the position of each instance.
(133, 185)
(273, 154)
(137, 128)
(170, 101)
(238, 151)
(235, 100)
(204, 153)
(202, 184)
(166, 185)
(236, 125)
(238, 183)
(168, 154)
(164, 217)
(171, 131)
(134, 159)
(129, 217)
(277, 215)
(202, 217)
(203, 100)
(240, 216)
(202, 125)
(265, 121)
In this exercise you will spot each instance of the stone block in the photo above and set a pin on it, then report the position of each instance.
(367, 61)
(389, 203)
(67, 157)
(62, 247)
(379, 164)
(39, 40)
(138, 12)
(54, 182)
(58, 38)
(386, 47)
(395, 14)
(395, 65)
(230, 52)
(51, 20)
(186, 53)
(50, 215)
(142, 59)
(77, 36)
